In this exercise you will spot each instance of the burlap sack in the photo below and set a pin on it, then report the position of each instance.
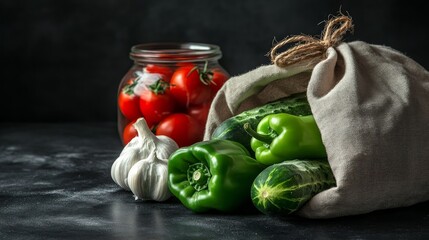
(371, 104)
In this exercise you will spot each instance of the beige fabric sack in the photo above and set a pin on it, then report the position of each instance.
(371, 104)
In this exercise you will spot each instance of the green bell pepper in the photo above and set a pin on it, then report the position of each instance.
(213, 175)
(281, 137)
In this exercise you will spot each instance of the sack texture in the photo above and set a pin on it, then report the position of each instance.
(371, 104)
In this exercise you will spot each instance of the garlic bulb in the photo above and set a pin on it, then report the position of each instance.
(140, 147)
(148, 179)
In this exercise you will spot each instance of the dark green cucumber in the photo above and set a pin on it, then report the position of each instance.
(283, 188)
(232, 128)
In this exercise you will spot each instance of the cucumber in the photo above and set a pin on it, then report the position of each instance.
(232, 128)
(283, 188)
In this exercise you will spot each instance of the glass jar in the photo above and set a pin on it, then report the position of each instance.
(170, 85)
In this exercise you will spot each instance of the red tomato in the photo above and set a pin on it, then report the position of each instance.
(163, 70)
(182, 128)
(128, 103)
(219, 78)
(200, 112)
(129, 133)
(187, 87)
(156, 106)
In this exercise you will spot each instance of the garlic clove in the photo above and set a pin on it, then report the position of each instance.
(165, 147)
(148, 179)
(122, 165)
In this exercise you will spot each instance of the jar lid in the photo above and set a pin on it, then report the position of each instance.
(174, 52)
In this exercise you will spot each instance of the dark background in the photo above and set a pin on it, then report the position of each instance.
(62, 60)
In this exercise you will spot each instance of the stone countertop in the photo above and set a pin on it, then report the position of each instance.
(55, 184)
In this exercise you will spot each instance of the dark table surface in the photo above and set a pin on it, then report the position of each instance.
(55, 184)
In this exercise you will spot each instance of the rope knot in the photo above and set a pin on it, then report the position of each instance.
(308, 47)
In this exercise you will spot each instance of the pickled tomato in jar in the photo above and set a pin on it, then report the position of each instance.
(171, 86)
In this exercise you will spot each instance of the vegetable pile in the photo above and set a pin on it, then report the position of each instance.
(174, 101)
(272, 156)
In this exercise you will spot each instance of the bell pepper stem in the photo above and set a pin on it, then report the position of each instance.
(198, 176)
(261, 137)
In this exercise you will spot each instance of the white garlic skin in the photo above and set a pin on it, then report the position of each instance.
(147, 179)
(165, 146)
(122, 165)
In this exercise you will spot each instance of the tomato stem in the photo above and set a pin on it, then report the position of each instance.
(206, 76)
(129, 89)
(159, 87)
